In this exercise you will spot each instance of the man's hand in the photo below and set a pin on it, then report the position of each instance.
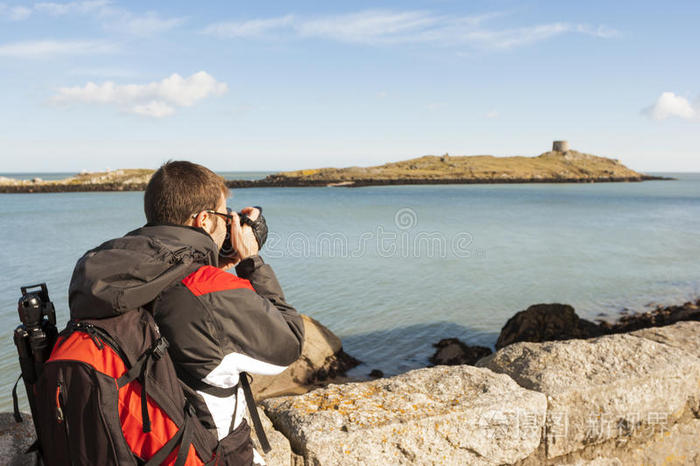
(242, 237)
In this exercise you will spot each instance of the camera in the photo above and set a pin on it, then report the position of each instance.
(259, 226)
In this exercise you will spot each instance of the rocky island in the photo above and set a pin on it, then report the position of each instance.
(560, 165)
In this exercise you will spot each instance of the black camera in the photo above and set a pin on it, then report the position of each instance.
(259, 226)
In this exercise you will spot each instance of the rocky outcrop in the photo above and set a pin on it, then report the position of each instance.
(683, 335)
(552, 166)
(660, 316)
(281, 452)
(545, 322)
(322, 360)
(443, 415)
(550, 322)
(453, 352)
(603, 388)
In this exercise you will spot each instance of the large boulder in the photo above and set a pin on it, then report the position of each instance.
(603, 388)
(545, 322)
(441, 415)
(322, 359)
(15, 438)
(281, 452)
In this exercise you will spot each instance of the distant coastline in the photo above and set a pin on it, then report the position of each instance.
(279, 183)
(561, 165)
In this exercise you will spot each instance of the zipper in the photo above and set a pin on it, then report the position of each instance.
(60, 415)
(100, 337)
(59, 403)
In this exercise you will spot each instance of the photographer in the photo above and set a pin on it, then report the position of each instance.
(218, 324)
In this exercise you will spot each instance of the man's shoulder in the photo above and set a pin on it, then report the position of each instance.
(209, 279)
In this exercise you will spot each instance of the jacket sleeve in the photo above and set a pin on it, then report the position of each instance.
(264, 281)
(220, 325)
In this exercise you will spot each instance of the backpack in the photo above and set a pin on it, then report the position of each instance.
(109, 395)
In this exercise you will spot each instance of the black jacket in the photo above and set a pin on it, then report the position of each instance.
(218, 324)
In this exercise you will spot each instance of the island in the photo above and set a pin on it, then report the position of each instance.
(560, 165)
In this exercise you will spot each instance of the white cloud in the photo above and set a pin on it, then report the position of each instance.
(150, 24)
(109, 16)
(14, 13)
(60, 9)
(252, 28)
(669, 105)
(369, 26)
(49, 48)
(493, 114)
(156, 99)
(154, 109)
(386, 27)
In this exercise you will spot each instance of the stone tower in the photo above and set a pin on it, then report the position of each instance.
(560, 146)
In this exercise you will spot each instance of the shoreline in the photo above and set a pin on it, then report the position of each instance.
(279, 182)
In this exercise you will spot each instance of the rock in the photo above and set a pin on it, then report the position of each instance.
(675, 446)
(441, 415)
(281, 453)
(376, 373)
(682, 335)
(658, 317)
(452, 352)
(545, 322)
(322, 358)
(15, 438)
(603, 388)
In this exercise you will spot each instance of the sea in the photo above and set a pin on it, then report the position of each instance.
(393, 269)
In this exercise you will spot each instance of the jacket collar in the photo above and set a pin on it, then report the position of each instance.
(184, 235)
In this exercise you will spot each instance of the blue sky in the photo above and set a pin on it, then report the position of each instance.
(282, 85)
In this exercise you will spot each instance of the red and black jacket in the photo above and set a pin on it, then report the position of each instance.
(218, 324)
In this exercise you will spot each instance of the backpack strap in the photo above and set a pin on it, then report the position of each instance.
(183, 438)
(198, 385)
(253, 410)
(140, 371)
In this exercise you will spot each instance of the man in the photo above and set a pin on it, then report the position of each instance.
(218, 324)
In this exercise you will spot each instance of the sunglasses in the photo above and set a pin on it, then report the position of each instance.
(229, 218)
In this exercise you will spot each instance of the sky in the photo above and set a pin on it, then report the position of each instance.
(241, 86)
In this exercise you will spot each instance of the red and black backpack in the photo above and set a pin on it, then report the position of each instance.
(109, 395)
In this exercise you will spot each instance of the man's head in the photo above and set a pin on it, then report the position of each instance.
(181, 192)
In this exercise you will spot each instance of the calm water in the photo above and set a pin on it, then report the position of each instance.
(392, 270)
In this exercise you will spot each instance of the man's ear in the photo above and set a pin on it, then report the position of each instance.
(200, 221)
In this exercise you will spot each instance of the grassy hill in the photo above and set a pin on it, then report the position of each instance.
(550, 166)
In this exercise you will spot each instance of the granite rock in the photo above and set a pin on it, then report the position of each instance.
(322, 358)
(682, 335)
(441, 415)
(15, 438)
(602, 388)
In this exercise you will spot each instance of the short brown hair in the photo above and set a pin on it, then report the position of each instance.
(179, 189)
